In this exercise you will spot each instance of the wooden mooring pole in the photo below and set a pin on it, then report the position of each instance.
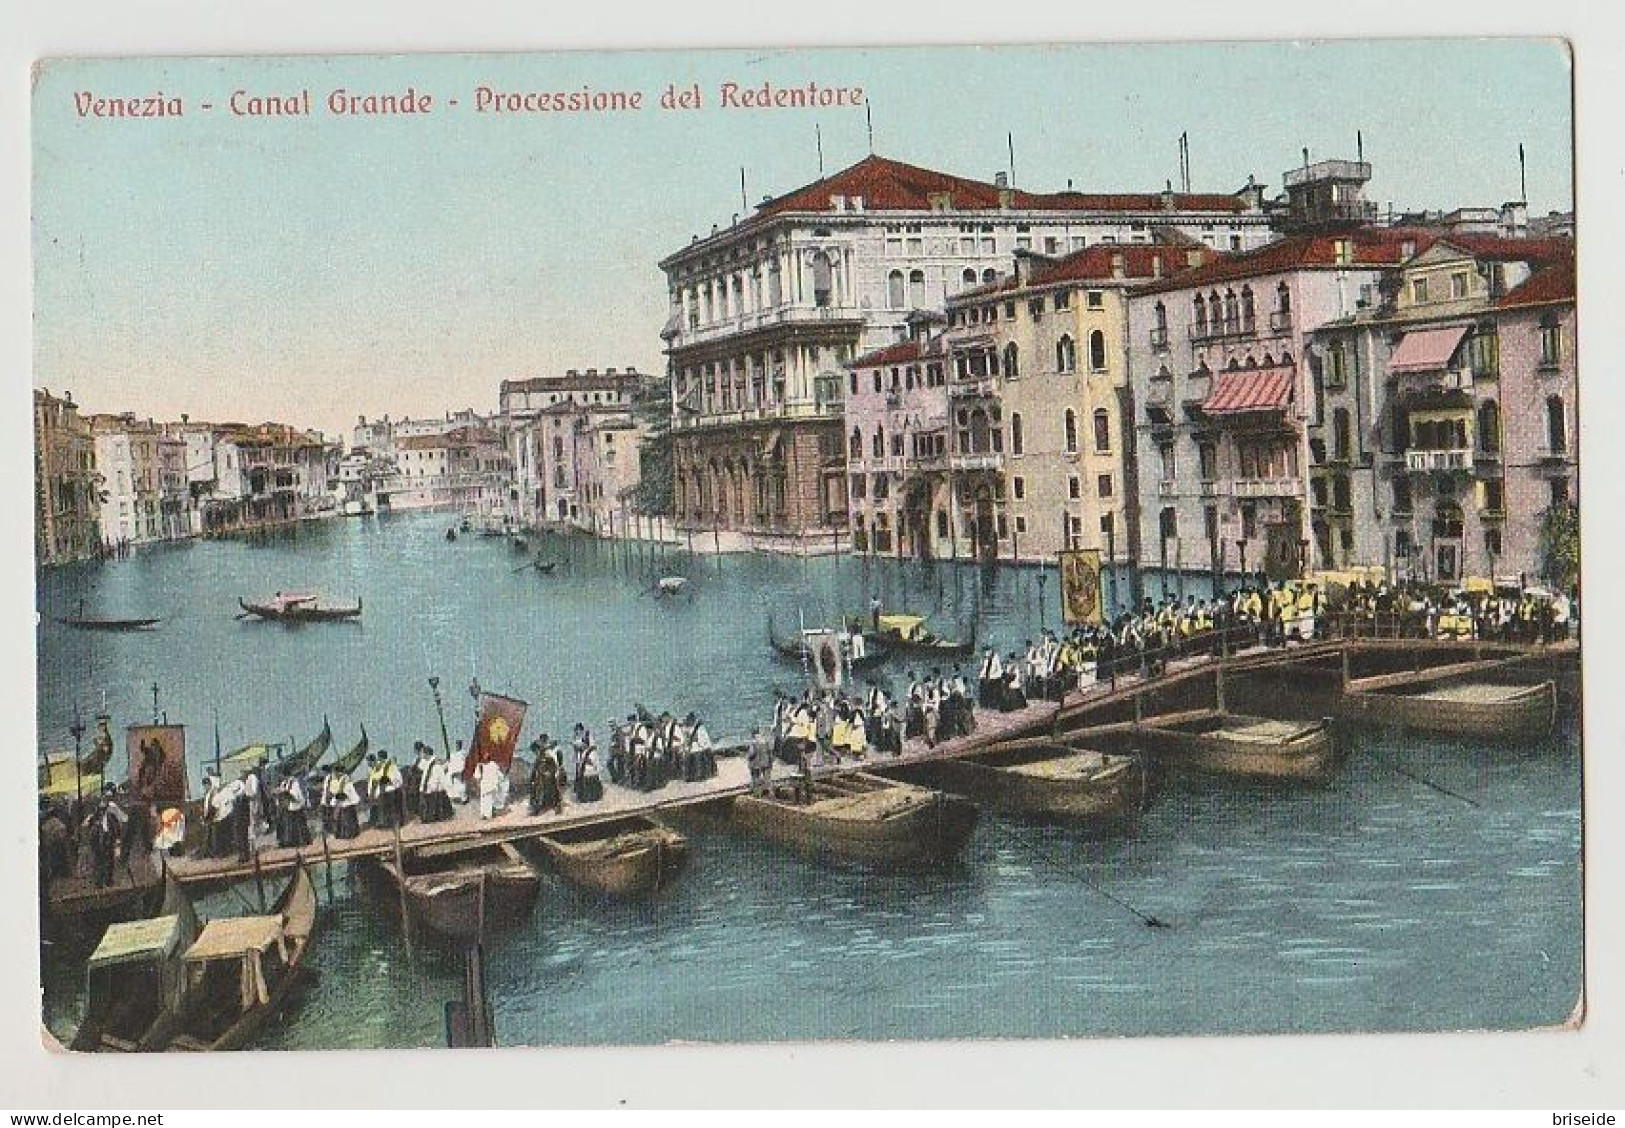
(400, 883)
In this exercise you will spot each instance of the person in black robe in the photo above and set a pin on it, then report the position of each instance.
(241, 826)
(589, 788)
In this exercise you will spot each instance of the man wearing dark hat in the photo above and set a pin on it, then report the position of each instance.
(413, 776)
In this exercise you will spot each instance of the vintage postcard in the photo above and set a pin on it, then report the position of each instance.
(942, 543)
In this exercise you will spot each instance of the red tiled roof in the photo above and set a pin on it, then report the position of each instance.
(1249, 389)
(888, 185)
(1547, 286)
(1497, 248)
(1097, 264)
(1372, 246)
(900, 353)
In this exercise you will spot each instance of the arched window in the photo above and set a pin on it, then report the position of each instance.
(1103, 430)
(1011, 366)
(879, 446)
(1247, 322)
(1340, 434)
(1232, 318)
(894, 290)
(775, 288)
(1160, 317)
(856, 445)
(1069, 423)
(969, 277)
(1557, 431)
(1017, 440)
(990, 275)
(1200, 308)
(1097, 351)
(1489, 427)
(916, 289)
(1283, 300)
(1066, 358)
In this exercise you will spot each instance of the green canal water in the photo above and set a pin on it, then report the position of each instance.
(1376, 903)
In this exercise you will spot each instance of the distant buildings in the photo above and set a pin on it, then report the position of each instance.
(466, 468)
(766, 314)
(574, 443)
(66, 502)
(244, 477)
(143, 480)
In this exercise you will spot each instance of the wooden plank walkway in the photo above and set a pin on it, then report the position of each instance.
(1034, 722)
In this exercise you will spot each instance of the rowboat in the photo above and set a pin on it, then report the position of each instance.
(803, 649)
(242, 972)
(626, 857)
(87, 623)
(286, 608)
(1051, 781)
(134, 980)
(862, 818)
(463, 889)
(671, 585)
(1232, 744)
(908, 634)
(1479, 709)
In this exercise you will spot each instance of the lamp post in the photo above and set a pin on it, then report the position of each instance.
(440, 710)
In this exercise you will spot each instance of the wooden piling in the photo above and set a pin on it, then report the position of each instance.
(400, 870)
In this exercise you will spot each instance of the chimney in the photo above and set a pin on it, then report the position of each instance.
(1168, 196)
(1117, 264)
(1156, 266)
(1001, 180)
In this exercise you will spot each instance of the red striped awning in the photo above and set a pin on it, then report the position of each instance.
(1427, 350)
(1250, 389)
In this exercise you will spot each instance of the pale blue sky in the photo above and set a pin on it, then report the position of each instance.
(315, 269)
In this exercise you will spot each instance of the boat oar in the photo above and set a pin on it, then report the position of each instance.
(1426, 782)
(1044, 856)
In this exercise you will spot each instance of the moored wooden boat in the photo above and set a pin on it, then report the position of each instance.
(243, 972)
(908, 634)
(1049, 781)
(461, 889)
(298, 609)
(1466, 708)
(861, 818)
(1233, 744)
(626, 857)
(134, 979)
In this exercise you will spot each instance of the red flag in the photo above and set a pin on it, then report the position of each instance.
(497, 733)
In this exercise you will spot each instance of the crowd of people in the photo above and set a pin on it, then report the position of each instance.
(1500, 614)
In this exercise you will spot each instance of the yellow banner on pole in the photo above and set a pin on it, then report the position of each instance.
(1081, 601)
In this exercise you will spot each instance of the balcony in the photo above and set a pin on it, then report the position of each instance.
(1159, 339)
(790, 411)
(973, 386)
(1249, 488)
(987, 460)
(1214, 488)
(1223, 332)
(1281, 321)
(764, 319)
(1424, 461)
(1168, 487)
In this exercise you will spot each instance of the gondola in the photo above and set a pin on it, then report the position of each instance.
(298, 609)
(84, 623)
(625, 857)
(462, 890)
(301, 763)
(134, 980)
(353, 759)
(242, 972)
(861, 818)
(451, 535)
(908, 634)
(670, 585)
(799, 650)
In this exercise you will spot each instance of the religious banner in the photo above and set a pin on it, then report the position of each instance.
(157, 770)
(825, 651)
(1081, 602)
(497, 733)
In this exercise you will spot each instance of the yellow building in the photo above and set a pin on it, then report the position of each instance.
(1040, 358)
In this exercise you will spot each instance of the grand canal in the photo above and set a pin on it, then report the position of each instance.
(1377, 903)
